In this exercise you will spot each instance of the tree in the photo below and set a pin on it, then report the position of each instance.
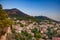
(35, 30)
(37, 34)
(0, 6)
(50, 33)
(26, 35)
(4, 21)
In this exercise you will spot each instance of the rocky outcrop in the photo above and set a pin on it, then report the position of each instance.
(4, 37)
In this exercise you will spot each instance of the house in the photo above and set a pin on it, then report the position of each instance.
(55, 38)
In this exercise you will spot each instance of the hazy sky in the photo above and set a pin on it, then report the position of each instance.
(49, 8)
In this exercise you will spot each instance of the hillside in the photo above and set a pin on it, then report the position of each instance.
(33, 28)
(16, 13)
(42, 18)
(21, 15)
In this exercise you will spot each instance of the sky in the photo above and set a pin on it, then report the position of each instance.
(49, 8)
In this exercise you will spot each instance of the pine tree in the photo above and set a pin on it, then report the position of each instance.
(0, 6)
(4, 21)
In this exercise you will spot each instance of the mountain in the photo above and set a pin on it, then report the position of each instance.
(15, 13)
(20, 15)
(42, 18)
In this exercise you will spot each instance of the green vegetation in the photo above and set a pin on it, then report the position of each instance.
(37, 34)
(49, 33)
(27, 35)
(4, 21)
(21, 25)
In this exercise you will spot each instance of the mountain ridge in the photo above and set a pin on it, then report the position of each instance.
(17, 13)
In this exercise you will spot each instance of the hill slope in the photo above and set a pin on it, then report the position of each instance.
(42, 18)
(19, 14)
(16, 13)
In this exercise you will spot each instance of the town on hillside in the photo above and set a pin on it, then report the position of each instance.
(15, 25)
